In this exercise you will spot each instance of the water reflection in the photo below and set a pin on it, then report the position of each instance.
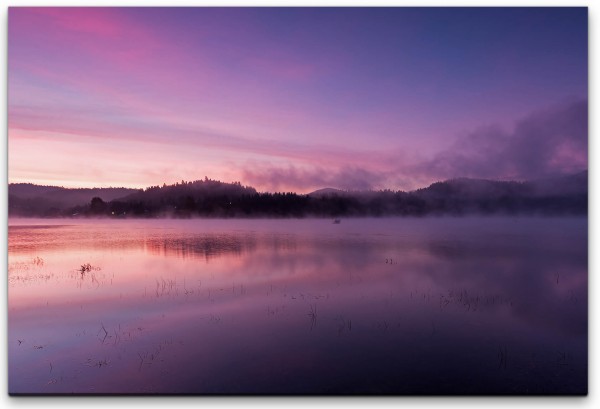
(368, 306)
(205, 247)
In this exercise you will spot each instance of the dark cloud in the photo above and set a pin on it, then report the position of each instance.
(545, 143)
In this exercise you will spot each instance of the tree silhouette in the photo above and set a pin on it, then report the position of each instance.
(98, 206)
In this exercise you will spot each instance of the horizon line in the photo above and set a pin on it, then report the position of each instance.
(517, 180)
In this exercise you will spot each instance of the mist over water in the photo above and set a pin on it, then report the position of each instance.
(401, 306)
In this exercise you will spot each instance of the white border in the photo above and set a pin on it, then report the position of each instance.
(466, 402)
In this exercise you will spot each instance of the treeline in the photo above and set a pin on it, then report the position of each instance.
(210, 198)
(258, 205)
(444, 198)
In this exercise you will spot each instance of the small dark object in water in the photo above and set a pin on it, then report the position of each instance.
(337, 221)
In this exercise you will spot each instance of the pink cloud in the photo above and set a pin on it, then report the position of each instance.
(105, 43)
(95, 20)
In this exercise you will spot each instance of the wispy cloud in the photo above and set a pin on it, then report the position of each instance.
(292, 178)
(99, 22)
(545, 143)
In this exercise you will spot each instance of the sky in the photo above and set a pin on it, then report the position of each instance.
(289, 99)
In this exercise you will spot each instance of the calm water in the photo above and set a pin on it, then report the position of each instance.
(402, 306)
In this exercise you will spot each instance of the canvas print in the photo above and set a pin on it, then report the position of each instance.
(297, 201)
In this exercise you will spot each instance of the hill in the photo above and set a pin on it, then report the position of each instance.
(565, 194)
(328, 191)
(26, 199)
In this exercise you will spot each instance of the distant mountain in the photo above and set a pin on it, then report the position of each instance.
(29, 190)
(26, 199)
(69, 196)
(328, 191)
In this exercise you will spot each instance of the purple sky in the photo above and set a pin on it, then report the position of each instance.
(295, 99)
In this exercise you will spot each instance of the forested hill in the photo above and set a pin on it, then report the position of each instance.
(196, 191)
(26, 199)
(558, 195)
(564, 195)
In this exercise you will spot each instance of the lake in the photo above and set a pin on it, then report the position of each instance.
(367, 306)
